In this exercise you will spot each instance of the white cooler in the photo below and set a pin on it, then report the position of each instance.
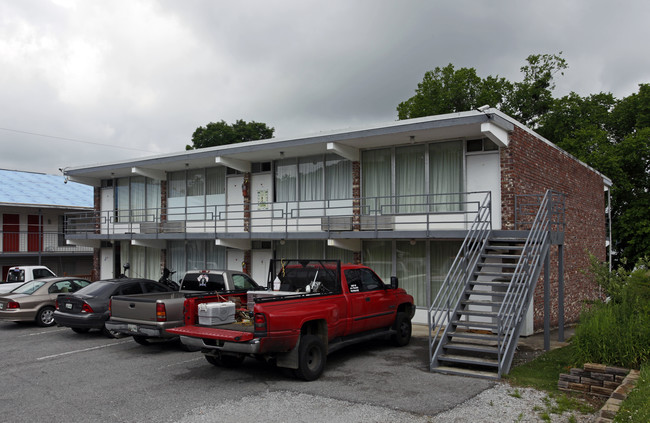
(213, 314)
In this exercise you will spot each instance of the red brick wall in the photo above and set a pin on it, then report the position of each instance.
(531, 166)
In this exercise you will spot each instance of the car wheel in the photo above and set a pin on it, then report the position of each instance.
(111, 333)
(311, 358)
(225, 360)
(403, 330)
(142, 340)
(45, 316)
(80, 330)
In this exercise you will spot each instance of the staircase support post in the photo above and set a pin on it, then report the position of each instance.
(547, 304)
(560, 290)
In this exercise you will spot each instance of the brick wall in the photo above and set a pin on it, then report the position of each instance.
(531, 166)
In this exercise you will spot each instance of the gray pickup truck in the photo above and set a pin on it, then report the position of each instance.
(148, 316)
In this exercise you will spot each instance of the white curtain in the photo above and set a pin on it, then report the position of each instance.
(311, 249)
(215, 191)
(377, 180)
(138, 199)
(153, 200)
(410, 179)
(310, 174)
(176, 257)
(338, 178)
(176, 190)
(333, 253)
(446, 175)
(196, 194)
(442, 257)
(215, 256)
(195, 254)
(378, 255)
(288, 250)
(286, 176)
(125, 247)
(138, 262)
(411, 269)
(153, 264)
(123, 200)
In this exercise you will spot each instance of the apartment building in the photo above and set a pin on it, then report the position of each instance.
(400, 197)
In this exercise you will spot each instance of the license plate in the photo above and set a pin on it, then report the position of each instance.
(133, 328)
(68, 306)
(2, 306)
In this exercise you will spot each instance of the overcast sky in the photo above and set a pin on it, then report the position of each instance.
(132, 78)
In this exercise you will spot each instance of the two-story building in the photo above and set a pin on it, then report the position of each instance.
(32, 214)
(398, 197)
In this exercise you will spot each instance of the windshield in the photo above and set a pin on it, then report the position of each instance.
(28, 288)
(16, 275)
(98, 289)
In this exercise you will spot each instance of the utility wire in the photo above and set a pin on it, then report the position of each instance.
(75, 140)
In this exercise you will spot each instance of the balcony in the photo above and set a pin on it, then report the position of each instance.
(394, 216)
(35, 243)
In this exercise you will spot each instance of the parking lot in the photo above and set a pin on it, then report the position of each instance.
(54, 374)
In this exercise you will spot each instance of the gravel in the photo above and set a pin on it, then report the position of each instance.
(501, 403)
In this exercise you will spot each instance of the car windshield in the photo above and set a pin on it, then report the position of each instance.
(98, 289)
(28, 288)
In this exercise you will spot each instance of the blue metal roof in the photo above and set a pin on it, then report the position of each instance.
(38, 189)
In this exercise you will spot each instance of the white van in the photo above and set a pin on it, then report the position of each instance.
(18, 275)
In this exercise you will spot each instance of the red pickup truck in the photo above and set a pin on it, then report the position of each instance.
(313, 307)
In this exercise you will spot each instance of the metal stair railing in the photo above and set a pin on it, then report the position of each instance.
(448, 297)
(549, 217)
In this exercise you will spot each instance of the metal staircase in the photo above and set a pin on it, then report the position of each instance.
(476, 317)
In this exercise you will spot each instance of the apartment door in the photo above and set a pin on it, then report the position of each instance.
(235, 202)
(484, 174)
(107, 205)
(34, 233)
(10, 232)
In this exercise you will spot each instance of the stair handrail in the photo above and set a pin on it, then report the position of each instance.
(549, 217)
(448, 297)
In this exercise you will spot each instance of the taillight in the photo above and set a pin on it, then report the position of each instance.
(161, 312)
(13, 304)
(260, 322)
(86, 308)
(110, 304)
(56, 304)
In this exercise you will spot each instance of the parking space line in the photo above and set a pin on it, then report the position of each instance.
(43, 333)
(80, 351)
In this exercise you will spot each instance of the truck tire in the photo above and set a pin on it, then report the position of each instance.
(45, 317)
(403, 329)
(142, 340)
(311, 358)
(225, 360)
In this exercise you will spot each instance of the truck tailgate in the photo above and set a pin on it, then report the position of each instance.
(212, 333)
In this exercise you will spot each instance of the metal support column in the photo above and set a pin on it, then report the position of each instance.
(547, 304)
(560, 290)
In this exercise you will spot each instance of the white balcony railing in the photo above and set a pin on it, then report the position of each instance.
(37, 242)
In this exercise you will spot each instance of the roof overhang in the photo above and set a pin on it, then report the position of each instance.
(345, 143)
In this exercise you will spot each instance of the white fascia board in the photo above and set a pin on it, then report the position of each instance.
(150, 243)
(238, 244)
(495, 133)
(240, 165)
(346, 244)
(344, 151)
(159, 175)
(94, 182)
(91, 243)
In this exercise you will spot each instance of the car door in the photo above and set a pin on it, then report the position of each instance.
(370, 304)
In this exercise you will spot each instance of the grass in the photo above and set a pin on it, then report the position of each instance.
(542, 374)
(636, 407)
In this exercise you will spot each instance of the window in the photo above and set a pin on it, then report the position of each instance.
(446, 176)
(313, 178)
(242, 281)
(482, 144)
(138, 199)
(130, 289)
(362, 280)
(192, 255)
(154, 287)
(196, 194)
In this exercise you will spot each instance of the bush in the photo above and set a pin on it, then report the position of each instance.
(617, 332)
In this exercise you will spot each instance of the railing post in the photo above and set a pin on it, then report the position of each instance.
(547, 306)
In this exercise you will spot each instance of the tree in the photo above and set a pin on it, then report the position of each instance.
(447, 90)
(221, 133)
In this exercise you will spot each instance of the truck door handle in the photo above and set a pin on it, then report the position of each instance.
(367, 299)
(132, 305)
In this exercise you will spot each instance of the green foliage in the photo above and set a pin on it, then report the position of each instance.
(221, 133)
(617, 332)
(636, 407)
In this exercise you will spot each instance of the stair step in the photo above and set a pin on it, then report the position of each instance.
(483, 303)
(459, 371)
(477, 313)
(485, 293)
(473, 335)
(504, 275)
(477, 361)
(471, 324)
(471, 347)
(504, 265)
(496, 284)
(501, 256)
(504, 247)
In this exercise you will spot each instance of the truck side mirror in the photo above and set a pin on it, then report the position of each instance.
(394, 283)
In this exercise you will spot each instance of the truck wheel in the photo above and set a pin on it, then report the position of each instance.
(225, 360)
(311, 358)
(142, 340)
(403, 328)
(45, 316)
